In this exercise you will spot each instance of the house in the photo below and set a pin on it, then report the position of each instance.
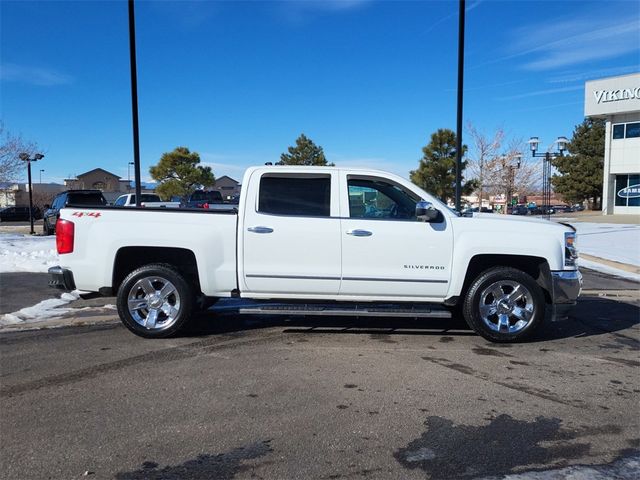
(227, 186)
(98, 179)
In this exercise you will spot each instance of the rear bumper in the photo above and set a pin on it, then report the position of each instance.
(61, 278)
(567, 285)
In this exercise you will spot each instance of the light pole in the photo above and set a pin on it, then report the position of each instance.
(562, 143)
(25, 157)
(41, 170)
(512, 178)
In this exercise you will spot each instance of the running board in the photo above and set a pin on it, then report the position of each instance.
(357, 310)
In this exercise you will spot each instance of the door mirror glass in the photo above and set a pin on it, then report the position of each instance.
(47, 206)
(425, 211)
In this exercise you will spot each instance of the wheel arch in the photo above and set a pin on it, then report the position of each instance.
(128, 259)
(537, 267)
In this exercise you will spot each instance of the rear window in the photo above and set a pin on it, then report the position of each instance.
(85, 199)
(206, 196)
(310, 197)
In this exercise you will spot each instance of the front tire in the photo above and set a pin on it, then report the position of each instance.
(155, 301)
(504, 305)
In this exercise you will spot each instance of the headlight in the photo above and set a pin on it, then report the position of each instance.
(570, 251)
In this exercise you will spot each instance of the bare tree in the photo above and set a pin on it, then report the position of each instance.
(11, 146)
(500, 166)
(483, 156)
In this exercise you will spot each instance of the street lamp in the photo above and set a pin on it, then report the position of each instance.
(561, 143)
(25, 158)
(512, 176)
(41, 170)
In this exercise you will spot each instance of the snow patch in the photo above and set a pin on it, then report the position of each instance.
(620, 243)
(45, 310)
(26, 253)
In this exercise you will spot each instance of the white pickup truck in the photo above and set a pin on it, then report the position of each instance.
(323, 240)
(148, 200)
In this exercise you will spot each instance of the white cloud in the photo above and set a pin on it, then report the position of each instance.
(41, 76)
(301, 11)
(574, 41)
(547, 91)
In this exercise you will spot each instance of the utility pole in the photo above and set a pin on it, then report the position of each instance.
(134, 100)
(459, 112)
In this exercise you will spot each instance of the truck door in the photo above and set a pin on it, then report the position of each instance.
(385, 251)
(291, 235)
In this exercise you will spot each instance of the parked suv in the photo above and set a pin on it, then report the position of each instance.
(17, 214)
(84, 198)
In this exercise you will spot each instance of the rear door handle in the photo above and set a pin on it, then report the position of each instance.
(359, 233)
(260, 229)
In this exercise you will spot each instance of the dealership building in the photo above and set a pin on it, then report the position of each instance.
(617, 101)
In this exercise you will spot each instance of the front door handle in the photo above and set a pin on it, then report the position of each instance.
(260, 229)
(359, 233)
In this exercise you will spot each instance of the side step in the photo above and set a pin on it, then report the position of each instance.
(342, 310)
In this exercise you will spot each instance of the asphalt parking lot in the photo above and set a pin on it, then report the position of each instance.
(258, 397)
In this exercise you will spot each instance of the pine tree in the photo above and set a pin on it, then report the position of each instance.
(304, 153)
(581, 170)
(436, 172)
(180, 174)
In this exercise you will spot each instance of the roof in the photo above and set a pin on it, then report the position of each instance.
(228, 177)
(97, 170)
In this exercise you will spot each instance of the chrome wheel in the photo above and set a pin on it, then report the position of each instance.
(154, 303)
(506, 306)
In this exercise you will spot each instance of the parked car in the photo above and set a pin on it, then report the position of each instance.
(150, 200)
(206, 199)
(519, 210)
(65, 199)
(303, 241)
(18, 214)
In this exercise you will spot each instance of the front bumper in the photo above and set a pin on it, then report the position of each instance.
(61, 278)
(566, 285)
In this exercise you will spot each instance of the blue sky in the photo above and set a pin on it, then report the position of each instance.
(239, 81)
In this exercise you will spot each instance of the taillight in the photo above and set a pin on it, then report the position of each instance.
(205, 205)
(64, 236)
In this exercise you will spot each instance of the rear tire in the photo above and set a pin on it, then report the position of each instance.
(504, 305)
(155, 301)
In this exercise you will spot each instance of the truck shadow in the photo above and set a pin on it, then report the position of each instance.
(592, 316)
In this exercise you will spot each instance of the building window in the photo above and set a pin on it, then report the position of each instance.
(627, 191)
(633, 130)
(618, 131)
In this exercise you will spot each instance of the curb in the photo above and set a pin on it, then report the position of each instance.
(612, 263)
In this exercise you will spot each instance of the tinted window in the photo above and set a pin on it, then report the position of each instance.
(206, 197)
(148, 197)
(380, 200)
(85, 199)
(633, 130)
(618, 131)
(310, 197)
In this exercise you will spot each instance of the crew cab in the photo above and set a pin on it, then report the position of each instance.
(328, 240)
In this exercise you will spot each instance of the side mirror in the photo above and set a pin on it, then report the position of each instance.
(425, 211)
(47, 206)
